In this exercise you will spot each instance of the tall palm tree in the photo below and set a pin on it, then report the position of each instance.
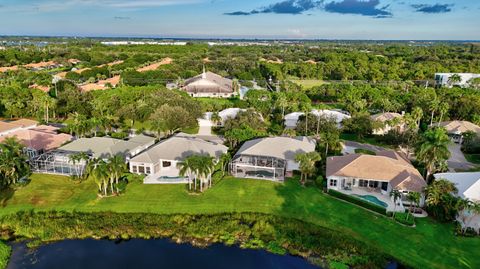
(417, 115)
(282, 102)
(414, 199)
(396, 195)
(13, 162)
(433, 106)
(433, 150)
(116, 167)
(215, 118)
(188, 167)
(306, 163)
(224, 161)
(443, 109)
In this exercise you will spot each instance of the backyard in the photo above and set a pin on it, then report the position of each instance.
(429, 245)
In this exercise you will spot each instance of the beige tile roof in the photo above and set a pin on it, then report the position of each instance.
(209, 82)
(24, 123)
(41, 64)
(6, 126)
(179, 147)
(383, 117)
(40, 138)
(8, 68)
(385, 166)
(39, 87)
(459, 127)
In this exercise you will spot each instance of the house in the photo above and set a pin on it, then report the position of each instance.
(209, 84)
(387, 120)
(444, 79)
(291, 120)
(229, 113)
(60, 161)
(373, 177)
(456, 129)
(38, 139)
(468, 185)
(9, 127)
(270, 158)
(159, 162)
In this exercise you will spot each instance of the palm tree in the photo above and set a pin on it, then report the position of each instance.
(205, 168)
(306, 108)
(188, 167)
(215, 118)
(433, 150)
(396, 195)
(455, 78)
(13, 162)
(306, 163)
(443, 109)
(116, 167)
(282, 102)
(433, 106)
(224, 161)
(97, 169)
(417, 115)
(77, 158)
(414, 199)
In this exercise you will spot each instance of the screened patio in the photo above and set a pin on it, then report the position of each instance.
(258, 167)
(57, 162)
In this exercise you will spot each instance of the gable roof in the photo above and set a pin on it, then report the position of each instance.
(17, 124)
(209, 82)
(459, 127)
(385, 166)
(279, 147)
(468, 183)
(179, 147)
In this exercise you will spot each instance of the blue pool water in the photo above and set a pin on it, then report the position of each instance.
(372, 199)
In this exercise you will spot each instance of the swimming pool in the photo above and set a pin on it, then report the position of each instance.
(372, 199)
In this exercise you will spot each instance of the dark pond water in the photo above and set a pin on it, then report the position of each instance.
(139, 254)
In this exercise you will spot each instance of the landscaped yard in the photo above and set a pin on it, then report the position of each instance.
(429, 245)
(473, 158)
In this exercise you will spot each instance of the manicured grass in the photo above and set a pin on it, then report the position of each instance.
(429, 245)
(4, 255)
(309, 83)
(372, 140)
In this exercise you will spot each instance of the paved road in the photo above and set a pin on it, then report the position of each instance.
(350, 146)
(457, 159)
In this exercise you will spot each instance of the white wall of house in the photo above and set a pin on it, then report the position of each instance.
(160, 168)
(212, 95)
(292, 166)
(441, 79)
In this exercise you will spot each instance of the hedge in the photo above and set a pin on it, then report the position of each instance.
(358, 201)
(4, 254)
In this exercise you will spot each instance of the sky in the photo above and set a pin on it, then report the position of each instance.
(295, 19)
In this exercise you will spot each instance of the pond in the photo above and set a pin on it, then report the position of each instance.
(139, 254)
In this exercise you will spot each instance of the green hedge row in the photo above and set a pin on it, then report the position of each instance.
(358, 201)
(4, 254)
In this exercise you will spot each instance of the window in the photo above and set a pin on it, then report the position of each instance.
(385, 186)
(134, 169)
(333, 182)
(362, 183)
(147, 170)
(141, 170)
(166, 164)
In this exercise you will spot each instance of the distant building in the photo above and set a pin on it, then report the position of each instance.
(443, 79)
(291, 120)
(387, 120)
(209, 84)
(456, 129)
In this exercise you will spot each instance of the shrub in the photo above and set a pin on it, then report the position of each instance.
(405, 218)
(358, 201)
(120, 135)
(4, 254)
(365, 151)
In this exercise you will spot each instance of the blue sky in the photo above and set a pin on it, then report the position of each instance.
(324, 19)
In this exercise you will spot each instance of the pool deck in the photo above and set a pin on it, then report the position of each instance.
(379, 196)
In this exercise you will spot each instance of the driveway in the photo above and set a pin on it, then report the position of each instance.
(349, 147)
(457, 160)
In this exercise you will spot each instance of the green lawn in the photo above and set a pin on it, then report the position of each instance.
(372, 140)
(309, 83)
(429, 245)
